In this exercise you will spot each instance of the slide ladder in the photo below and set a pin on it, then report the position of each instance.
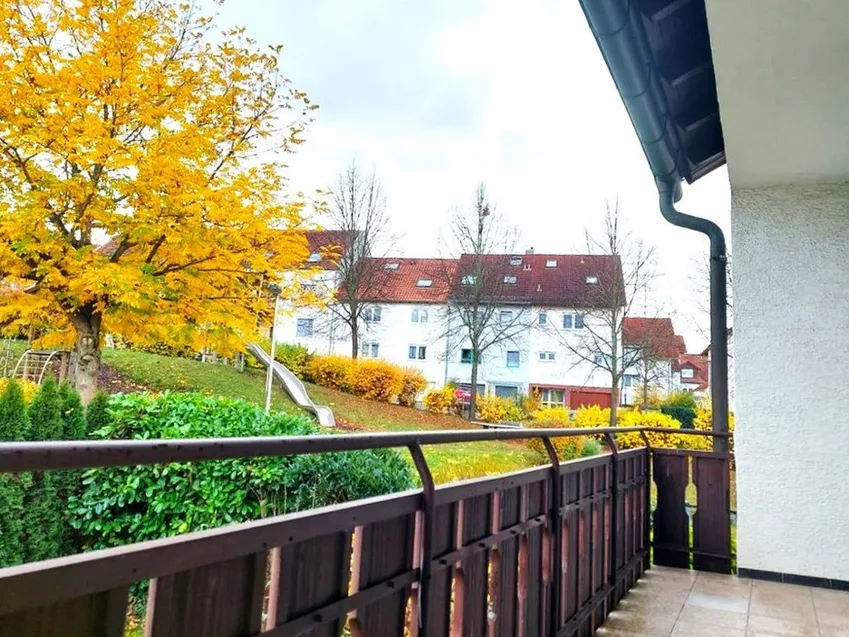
(294, 387)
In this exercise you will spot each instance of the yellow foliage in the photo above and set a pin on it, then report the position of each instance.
(441, 401)
(591, 416)
(567, 448)
(412, 384)
(559, 414)
(330, 370)
(703, 422)
(29, 388)
(492, 408)
(138, 121)
(649, 419)
(374, 380)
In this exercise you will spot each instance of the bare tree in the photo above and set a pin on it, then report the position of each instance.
(358, 213)
(631, 270)
(658, 345)
(484, 309)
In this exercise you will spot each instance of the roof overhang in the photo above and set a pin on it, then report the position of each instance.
(659, 54)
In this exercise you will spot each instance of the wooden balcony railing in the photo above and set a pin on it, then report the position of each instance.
(546, 551)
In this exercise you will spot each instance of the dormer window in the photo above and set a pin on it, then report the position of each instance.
(686, 372)
(315, 257)
(551, 263)
(391, 266)
(592, 280)
(424, 283)
(515, 260)
(510, 279)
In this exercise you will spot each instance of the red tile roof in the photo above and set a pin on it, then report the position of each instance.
(407, 283)
(552, 280)
(329, 244)
(701, 370)
(656, 334)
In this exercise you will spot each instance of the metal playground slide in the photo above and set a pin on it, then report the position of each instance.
(294, 387)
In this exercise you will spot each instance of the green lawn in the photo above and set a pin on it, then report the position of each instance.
(448, 462)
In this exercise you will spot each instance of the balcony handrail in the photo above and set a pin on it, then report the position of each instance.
(76, 454)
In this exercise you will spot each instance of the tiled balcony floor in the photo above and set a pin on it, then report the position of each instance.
(671, 602)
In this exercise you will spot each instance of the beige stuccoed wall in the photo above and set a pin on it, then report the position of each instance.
(791, 339)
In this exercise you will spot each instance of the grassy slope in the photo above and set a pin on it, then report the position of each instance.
(448, 462)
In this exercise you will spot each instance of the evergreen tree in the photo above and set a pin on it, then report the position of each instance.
(44, 511)
(73, 414)
(96, 414)
(70, 482)
(13, 427)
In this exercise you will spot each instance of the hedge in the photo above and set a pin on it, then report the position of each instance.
(374, 380)
(14, 425)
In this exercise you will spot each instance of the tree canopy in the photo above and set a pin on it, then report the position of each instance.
(135, 121)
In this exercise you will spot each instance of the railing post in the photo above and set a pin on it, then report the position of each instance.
(428, 490)
(614, 521)
(647, 495)
(557, 523)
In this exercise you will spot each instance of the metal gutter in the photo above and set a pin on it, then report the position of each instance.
(619, 32)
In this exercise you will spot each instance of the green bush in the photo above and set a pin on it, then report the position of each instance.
(96, 414)
(13, 427)
(295, 357)
(682, 407)
(44, 514)
(131, 504)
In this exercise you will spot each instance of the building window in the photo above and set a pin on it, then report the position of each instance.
(418, 316)
(630, 380)
(602, 360)
(506, 391)
(567, 322)
(551, 397)
(546, 356)
(579, 321)
(515, 260)
(424, 283)
(307, 287)
(592, 280)
(370, 350)
(469, 279)
(686, 373)
(391, 266)
(512, 359)
(543, 318)
(417, 352)
(371, 314)
(466, 356)
(315, 257)
(505, 317)
(551, 263)
(510, 279)
(304, 327)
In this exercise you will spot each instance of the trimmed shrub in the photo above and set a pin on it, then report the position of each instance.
(567, 448)
(295, 357)
(592, 416)
(130, 504)
(375, 380)
(413, 383)
(492, 408)
(97, 414)
(649, 419)
(704, 422)
(43, 514)
(682, 407)
(559, 414)
(330, 370)
(68, 483)
(73, 414)
(442, 401)
(13, 427)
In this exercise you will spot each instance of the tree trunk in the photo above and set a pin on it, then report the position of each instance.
(87, 323)
(614, 403)
(355, 339)
(473, 394)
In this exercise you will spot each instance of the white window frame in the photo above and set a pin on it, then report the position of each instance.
(570, 318)
(547, 356)
(510, 279)
(543, 318)
(418, 315)
(370, 350)
(391, 266)
(546, 400)
(515, 260)
(578, 319)
(688, 373)
(471, 356)
(518, 358)
(372, 314)
(505, 317)
(305, 323)
(551, 263)
(424, 283)
(419, 352)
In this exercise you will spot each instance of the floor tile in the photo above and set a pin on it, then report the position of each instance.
(771, 625)
(712, 617)
(686, 629)
(718, 602)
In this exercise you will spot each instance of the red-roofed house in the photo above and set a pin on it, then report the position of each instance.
(406, 320)
(659, 348)
(692, 372)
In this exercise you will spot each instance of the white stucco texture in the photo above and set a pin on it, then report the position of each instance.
(791, 332)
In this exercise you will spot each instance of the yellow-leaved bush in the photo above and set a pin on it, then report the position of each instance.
(330, 370)
(671, 440)
(441, 401)
(492, 408)
(559, 414)
(567, 448)
(29, 388)
(703, 422)
(374, 380)
(413, 383)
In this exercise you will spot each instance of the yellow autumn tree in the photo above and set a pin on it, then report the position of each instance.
(137, 122)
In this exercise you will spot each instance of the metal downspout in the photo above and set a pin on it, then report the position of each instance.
(718, 307)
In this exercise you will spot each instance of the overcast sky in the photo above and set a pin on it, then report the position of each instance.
(444, 94)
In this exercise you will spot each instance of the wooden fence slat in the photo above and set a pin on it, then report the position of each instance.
(439, 608)
(506, 621)
(671, 524)
(313, 574)
(387, 552)
(712, 520)
(534, 593)
(219, 600)
(476, 524)
(97, 615)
